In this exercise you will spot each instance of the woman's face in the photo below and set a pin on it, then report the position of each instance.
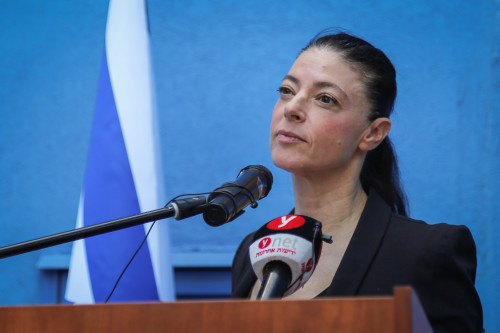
(321, 115)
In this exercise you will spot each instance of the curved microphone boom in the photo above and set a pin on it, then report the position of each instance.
(284, 254)
(228, 201)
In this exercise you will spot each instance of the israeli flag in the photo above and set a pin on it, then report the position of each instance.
(123, 173)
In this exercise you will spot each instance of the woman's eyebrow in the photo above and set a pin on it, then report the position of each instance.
(325, 84)
(291, 78)
(319, 84)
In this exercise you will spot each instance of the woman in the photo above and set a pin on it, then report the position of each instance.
(329, 130)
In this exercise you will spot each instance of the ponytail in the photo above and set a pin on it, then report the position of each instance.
(380, 172)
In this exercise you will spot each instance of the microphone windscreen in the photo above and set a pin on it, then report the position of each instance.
(293, 239)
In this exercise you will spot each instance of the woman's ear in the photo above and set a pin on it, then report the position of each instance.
(375, 134)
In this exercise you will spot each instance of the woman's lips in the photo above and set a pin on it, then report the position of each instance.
(288, 137)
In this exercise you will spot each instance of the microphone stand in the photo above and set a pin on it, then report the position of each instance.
(179, 209)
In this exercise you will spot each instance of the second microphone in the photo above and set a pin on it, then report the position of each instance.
(228, 201)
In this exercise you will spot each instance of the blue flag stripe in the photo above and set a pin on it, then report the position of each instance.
(109, 193)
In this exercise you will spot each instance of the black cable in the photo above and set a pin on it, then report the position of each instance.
(144, 240)
(130, 261)
(249, 195)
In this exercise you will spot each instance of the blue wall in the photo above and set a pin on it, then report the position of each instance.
(217, 66)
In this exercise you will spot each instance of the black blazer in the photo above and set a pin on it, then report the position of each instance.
(387, 250)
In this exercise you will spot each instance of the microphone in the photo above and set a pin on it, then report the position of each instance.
(228, 201)
(284, 254)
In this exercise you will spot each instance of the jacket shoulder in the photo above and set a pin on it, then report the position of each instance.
(242, 274)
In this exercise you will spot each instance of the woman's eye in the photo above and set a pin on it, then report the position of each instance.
(285, 90)
(328, 100)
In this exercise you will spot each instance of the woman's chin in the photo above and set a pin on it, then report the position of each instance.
(288, 164)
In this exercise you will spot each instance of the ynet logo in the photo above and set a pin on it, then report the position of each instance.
(265, 242)
(286, 222)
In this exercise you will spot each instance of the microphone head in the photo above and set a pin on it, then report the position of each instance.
(292, 239)
(227, 202)
(265, 178)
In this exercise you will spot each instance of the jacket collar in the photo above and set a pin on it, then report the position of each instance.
(362, 248)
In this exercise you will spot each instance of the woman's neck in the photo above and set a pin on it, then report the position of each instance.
(336, 204)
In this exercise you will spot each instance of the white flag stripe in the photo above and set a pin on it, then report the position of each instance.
(127, 47)
(128, 50)
(79, 288)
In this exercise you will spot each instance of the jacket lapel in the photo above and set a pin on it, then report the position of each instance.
(362, 248)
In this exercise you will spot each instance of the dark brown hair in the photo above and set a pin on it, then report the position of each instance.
(380, 169)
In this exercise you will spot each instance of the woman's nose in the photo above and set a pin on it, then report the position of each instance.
(294, 110)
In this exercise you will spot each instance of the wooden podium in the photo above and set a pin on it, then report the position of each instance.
(400, 313)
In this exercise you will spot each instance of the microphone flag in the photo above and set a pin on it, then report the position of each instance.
(123, 173)
(294, 240)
